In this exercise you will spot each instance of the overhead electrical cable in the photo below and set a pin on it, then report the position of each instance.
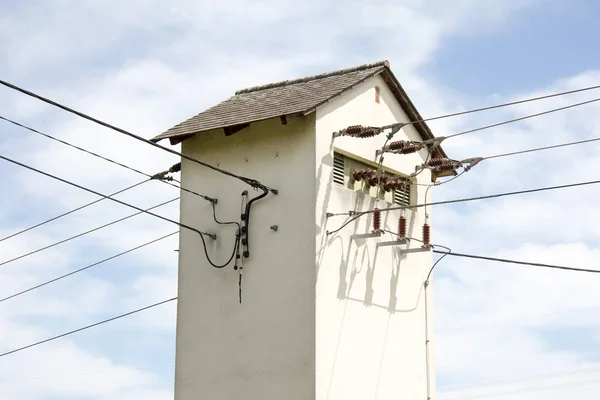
(252, 182)
(475, 160)
(108, 159)
(365, 132)
(70, 212)
(510, 121)
(85, 268)
(514, 153)
(519, 380)
(533, 264)
(104, 196)
(200, 233)
(490, 196)
(358, 214)
(512, 103)
(84, 233)
(88, 327)
(527, 390)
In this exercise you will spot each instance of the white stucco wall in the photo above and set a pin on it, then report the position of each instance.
(351, 328)
(261, 349)
(370, 320)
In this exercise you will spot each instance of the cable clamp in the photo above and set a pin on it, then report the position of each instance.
(175, 168)
(213, 236)
(472, 162)
(161, 176)
(395, 129)
(435, 141)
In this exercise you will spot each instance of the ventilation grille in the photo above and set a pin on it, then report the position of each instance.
(338, 169)
(402, 196)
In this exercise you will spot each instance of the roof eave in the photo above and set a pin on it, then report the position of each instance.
(408, 106)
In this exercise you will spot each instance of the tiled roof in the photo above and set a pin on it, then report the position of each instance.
(299, 96)
(274, 100)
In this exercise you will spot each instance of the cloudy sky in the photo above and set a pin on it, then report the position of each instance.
(147, 65)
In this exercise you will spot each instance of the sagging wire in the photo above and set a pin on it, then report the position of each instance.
(71, 211)
(86, 232)
(495, 106)
(251, 182)
(223, 222)
(164, 175)
(39, 285)
(453, 201)
(219, 266)
(163, 178)
(200, 233)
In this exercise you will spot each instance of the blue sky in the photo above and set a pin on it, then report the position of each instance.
(146, 65)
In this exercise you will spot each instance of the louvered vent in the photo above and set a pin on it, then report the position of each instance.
(402, 196)
(338, 169)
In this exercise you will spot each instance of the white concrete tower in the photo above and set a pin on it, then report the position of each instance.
(323, 316)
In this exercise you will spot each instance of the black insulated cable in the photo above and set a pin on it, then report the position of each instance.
(58, 278)
(533, 264)
(84, 233)
(211, 235)
(173, 169)
(70, 212)
(88, 327)
(252, 182)
(200, 233)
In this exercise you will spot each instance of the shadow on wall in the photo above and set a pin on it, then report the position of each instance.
(358, 255)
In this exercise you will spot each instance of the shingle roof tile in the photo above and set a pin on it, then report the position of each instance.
(302, 96)
(274, 100)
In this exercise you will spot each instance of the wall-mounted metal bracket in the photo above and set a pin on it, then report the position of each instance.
(393, 243)
(367, 235)
(416, 250)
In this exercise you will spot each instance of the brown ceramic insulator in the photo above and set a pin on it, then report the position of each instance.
(397, 145)
(409, 149)
(402, 227)
(376, 220)
(356, 175)
(445, 167)
(353, 129)
(426, 234)
(367, 133)
(434, 162)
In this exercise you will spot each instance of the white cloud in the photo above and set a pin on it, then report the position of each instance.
(152, 64)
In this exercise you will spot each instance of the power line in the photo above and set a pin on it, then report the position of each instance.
(533, 264)
(69, 212)
(85, 233)
(251, 182)
(106, 158)
(514, 153)
(528, 390)
(106, 197)
(519, 380)
(200, 233)
(358, 214)
(88, 326)
(510, 121)
(85, 268)
(512, 103)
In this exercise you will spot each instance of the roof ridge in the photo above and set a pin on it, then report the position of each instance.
(383, 63)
